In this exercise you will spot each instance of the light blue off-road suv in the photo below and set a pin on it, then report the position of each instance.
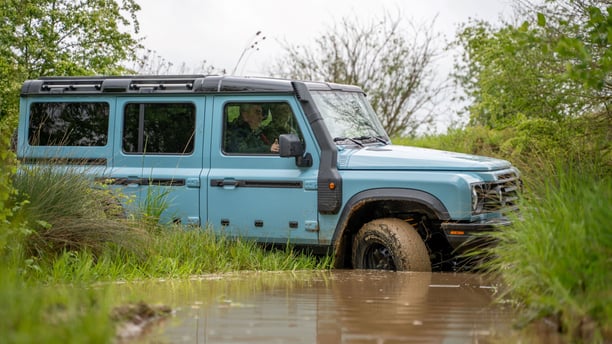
(276, 161)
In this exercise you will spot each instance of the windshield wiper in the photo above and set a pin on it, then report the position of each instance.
(342, 139)
(370, 138)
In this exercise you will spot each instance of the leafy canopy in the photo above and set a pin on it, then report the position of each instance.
(553, 66)
(62, 37)
(67, 37)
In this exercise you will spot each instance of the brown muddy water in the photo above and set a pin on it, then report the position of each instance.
(339, 306)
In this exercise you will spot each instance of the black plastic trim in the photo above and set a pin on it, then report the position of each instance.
(475, 227)
(329, 200)
(428, 201)
(286, 184)
(65, 161)
(142, 181)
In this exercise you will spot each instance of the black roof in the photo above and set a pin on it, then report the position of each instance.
(164, 84)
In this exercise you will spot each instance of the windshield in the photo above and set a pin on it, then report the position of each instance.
(349, 117)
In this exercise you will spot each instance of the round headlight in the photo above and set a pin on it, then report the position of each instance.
(474, 198)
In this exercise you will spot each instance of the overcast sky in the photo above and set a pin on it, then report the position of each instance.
(190, 31)
(218, 31)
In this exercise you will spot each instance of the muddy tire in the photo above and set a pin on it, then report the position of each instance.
(390, 244)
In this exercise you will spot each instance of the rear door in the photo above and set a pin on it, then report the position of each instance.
(158, 156)
(259, 195)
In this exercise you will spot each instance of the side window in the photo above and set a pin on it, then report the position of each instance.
(253, 128)
(68, 124)
(159, 128)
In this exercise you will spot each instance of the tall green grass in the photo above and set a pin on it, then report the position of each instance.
(173, 252)
(65, 213)
(557, 258)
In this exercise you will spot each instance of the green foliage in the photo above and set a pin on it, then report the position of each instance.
(506, 73)
(556, 258)
(62, 37)
(76, 236)
(472, 140)
(532, 143)
(181, 251)
(587, 47)
(582, 141)
(149, 209)
(12, 229)
(7, 170)
(553, 66)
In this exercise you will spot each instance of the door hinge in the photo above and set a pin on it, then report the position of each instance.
(311, 226)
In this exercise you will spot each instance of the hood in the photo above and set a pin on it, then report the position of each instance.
(392, 157)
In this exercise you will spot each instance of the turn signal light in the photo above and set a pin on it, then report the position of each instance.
(457, 232)
(332, 185)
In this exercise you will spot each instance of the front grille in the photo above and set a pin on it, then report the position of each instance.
(501, 195)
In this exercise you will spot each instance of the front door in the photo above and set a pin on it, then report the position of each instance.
(252, 192)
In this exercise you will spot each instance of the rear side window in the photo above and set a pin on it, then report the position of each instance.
(68, 124)
(159, 128)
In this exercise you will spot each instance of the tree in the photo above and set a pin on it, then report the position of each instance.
(68, 37)
(554, 66)
(392, 64)
(63, 37)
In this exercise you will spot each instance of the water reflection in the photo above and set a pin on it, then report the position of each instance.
(329, 307)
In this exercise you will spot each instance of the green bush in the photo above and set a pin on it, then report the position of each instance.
(538, 143)
(533, 144)
(8, 166)
(472, 140)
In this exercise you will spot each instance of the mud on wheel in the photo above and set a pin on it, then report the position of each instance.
(389, 244)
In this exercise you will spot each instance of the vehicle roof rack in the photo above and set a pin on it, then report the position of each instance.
(166, 84)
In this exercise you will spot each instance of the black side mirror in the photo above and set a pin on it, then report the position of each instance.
(291, 146)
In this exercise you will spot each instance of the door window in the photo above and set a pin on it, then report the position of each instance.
(159, 128)
(254, 128)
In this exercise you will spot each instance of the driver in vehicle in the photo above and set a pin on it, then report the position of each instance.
(245, 135)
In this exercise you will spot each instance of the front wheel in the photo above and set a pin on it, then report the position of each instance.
(390, 244)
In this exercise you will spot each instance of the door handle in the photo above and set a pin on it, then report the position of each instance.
(230, 182)
(132, 181)
(227, 183)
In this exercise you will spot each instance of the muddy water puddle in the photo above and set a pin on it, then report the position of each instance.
(329, 307)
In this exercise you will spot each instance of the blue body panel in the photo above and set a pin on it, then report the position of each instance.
(277, 205)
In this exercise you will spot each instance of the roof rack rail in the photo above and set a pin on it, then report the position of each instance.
(50, 86)
(161, 85)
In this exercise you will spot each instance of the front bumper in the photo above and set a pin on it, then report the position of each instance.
(467, 235)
